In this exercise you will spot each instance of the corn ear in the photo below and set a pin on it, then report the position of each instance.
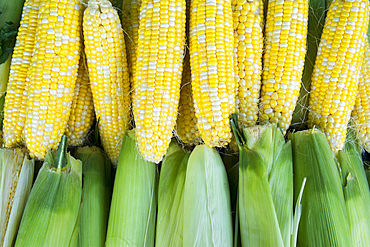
(134, 202)
(207, 208)
(15, 185)
(356, 193)
(324, 219)
(265, 178)
(96, 193)
(169, 230)
(52, 213)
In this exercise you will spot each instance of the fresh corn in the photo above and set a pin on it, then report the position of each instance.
(211, 59)
(186, 123)
(52, 74)
(16, 97)
(286, 35)
(248, 44)
(130, 24)
(169, 229)
(96, 194)
(52, 213)
(158, 75)
(336, 73)
(361, 110)
(207, 208)
(324, 220)
(135, 191)
(108, 73)
(15, 184)
(356, 193)
(82, 108)
(265, 178)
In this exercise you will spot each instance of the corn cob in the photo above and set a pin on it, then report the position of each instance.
(361, 110)
(52, 213)
(82, 109)
(323, 198)
(15, 184)
(158, 75)
(169, 228)
(53, 74)
(248, 43)
(211, 60)
(286, 31)
(186, 123)
(356, 192)
(16, 97)
(131, 20)
(335, 78)
(96, 194)
(135, 191)
(265, 177)
(208, 221)
(108, 73)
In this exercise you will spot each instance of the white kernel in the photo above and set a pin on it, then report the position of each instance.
(51, 31)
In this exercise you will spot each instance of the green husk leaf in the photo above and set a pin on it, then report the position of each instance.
(7, 37)
(324, 219)
(134, 202)
(96, 193)
(207, 209)
(169, 230)
(265, 178)
(316, 21)
(16, 182)
(356, 193)
(52, 213)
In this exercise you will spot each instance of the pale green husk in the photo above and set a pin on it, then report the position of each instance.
(265, 187)
(133, 209)
(52, 213)
(169, 230)
(207, 209)
(96, 194)
(15, 184)
(356, 194)
(324, 219)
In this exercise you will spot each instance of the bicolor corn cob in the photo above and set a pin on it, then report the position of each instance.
(158, 75)
(286, 34)
(361, 110)
(336, 73)
(52, 74)
(186, 123)
(212, 68)
(82, 109)
(108, 72)
(16, 97)
(248, 43)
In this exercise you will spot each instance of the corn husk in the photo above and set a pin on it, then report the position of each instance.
(265, 187)
(324, 219)
(96, 194)
(207, 209)
(15, 185)
(169, 230)
(52, 213)
(356, 193)
(134, 202)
